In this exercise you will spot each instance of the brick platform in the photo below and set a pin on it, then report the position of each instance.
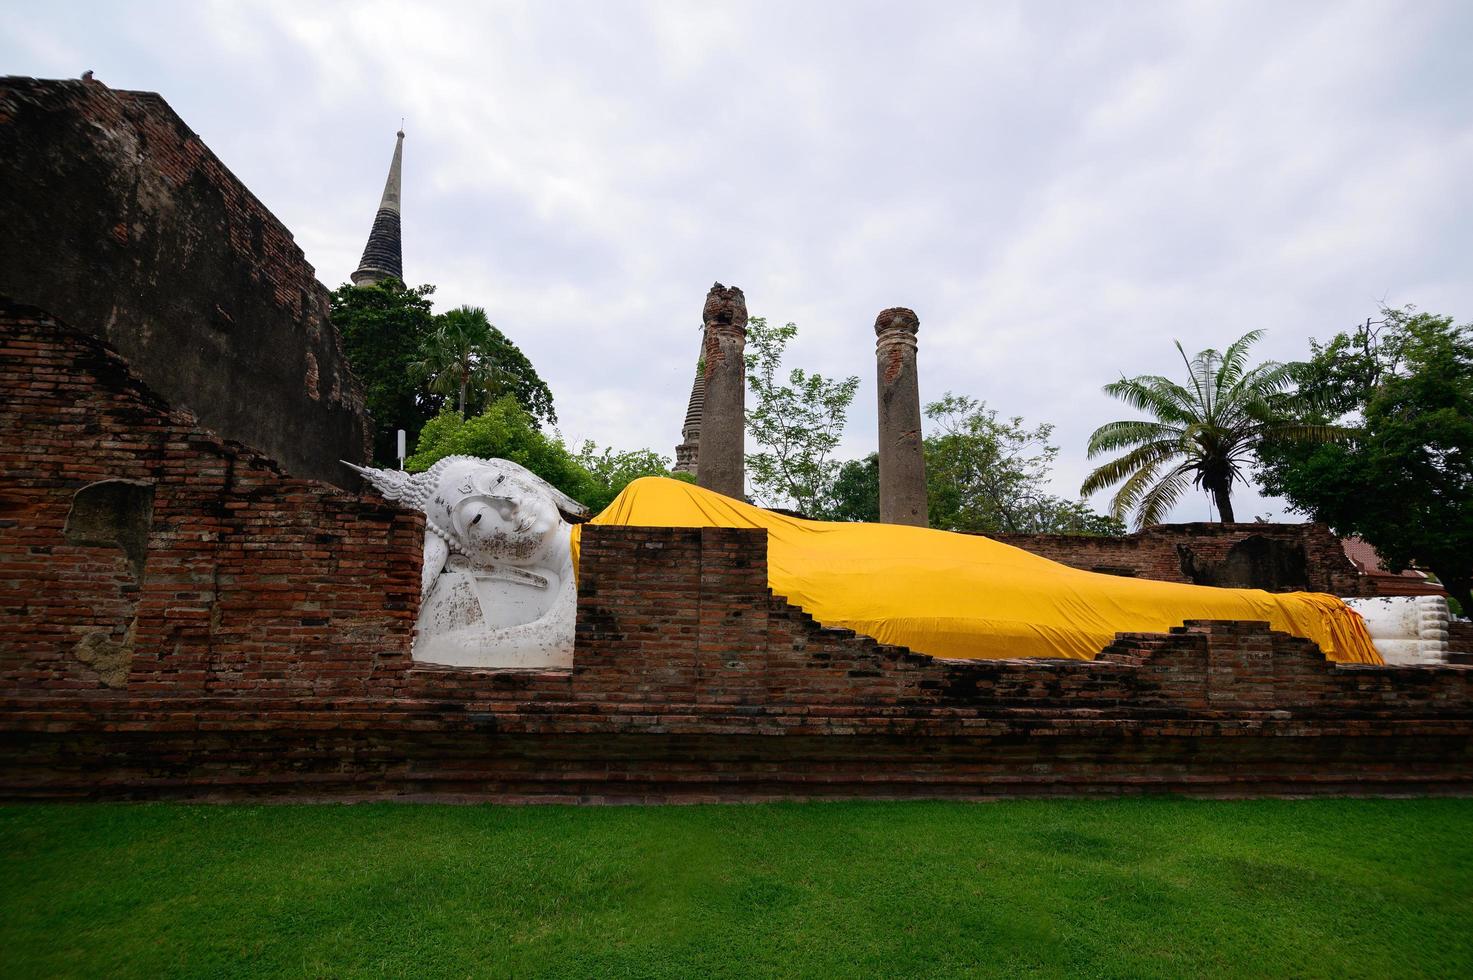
(182, 620)
(1276, 557)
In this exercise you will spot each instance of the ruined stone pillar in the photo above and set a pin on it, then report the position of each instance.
(723, 418)
(902, 460)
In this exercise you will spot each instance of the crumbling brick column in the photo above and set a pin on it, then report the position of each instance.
(723, 420)
(902, 460)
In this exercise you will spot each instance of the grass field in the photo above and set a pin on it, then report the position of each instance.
(1118, 888)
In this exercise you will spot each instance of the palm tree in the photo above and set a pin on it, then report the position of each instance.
(1206, 431)
(455, 357)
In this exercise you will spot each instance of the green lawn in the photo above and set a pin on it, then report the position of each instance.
(1161, 887)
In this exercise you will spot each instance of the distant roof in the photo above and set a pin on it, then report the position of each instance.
(1410, 582)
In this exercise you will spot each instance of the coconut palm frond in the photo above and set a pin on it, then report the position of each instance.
(1308, 432)
(1117, 435)
(1165, 399)
(1230, 372)
(1204, 431)
(1131, 491)
(1199, 372)
(1253, 395)
(1152, 454)
(1157, 502)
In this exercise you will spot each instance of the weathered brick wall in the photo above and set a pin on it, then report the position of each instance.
(734, 643)
(246, 580)
(183, 620)
(1460, 641)
(1276, 557)
(116, 218)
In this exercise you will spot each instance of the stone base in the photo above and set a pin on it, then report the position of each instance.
(396, 762)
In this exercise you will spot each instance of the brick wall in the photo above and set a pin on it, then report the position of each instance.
(1276, 557)
(184, 620)
(117, 218)
(248, 580)
(1460, 641)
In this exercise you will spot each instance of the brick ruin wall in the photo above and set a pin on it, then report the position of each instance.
(139, 551)
(1276, 557)
(117, 218)
(184, 620)
(1460, 641)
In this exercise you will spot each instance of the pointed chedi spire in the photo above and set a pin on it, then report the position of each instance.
(687, 454)
(383, 256)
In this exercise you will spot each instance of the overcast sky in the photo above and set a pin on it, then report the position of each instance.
(1058, 190)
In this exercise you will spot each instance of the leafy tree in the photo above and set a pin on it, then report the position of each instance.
(1404, 480)
(1055, 515)
(986, 473)
(796, 426)
(856, 495)
(610, 471)
(505, 430)
(383, 327)
(467, 357)
(1204, 432)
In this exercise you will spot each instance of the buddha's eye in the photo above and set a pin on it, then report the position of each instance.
(477, 519)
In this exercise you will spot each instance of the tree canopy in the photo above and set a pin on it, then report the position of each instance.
(410, 360)
(466, 357)
(796, 426)
(1403, 481)
(856, 494)
(506, 430)
(610, 471)
(383, 327)
(1203, 433)
(987, 473)
(983, 474)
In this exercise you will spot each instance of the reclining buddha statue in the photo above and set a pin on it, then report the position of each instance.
(499, 591)
(497, 586)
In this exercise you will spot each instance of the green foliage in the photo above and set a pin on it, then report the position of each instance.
(1144, 887)
(986, 473)
(1056, 515)
(1204, 432)
(466, 357)
(410, 361)
(796, 426)
(383, 327)
(610, 471)
(1404, 481)
(506, 431)
(856, 494)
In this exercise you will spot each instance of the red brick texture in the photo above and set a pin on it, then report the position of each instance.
(1460, 641)
(264, 631)
(117, 218)
(251, 582)
(1276, 557)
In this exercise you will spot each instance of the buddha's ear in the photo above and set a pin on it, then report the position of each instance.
(566, 504)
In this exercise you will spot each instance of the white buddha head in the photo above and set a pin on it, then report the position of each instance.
(490, 510)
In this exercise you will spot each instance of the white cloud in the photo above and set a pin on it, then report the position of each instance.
(1058, 190)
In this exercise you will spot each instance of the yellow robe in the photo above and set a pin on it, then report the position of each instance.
(969, 597)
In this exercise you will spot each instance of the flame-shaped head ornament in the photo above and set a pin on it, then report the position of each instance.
(445, 490)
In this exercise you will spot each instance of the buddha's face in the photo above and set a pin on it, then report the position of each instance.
(500, 516)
